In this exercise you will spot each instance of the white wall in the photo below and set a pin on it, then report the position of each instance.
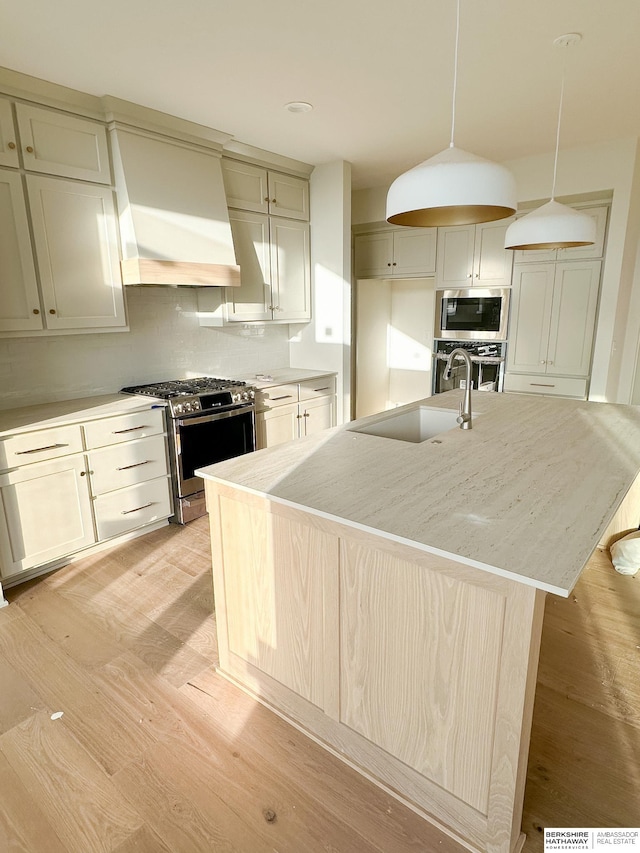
(325, 343)
(597, 169)
(165, 342)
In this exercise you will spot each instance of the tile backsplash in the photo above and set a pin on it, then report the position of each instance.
(165, 342)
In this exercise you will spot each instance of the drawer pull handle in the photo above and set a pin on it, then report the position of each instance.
(541, 385)
(40, 449)
(130, 429)
(326, 388)
(137, 509)
(134, 465)
(284, 397)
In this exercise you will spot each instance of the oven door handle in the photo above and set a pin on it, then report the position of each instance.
(214, 416)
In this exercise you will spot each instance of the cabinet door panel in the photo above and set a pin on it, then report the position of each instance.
(290, 269)
(46, 513)
(492, 262)
(77, 250)
(599, 215)
(277, 426)
(250, 301)
(288, 196)
(274, 576)
(246, 186)
(455, 256)
(8, 140)
(414, 251)
(530, 317)
(19, 300)
(63, 145)
(373, 255)
(575, 301)
(318, 415)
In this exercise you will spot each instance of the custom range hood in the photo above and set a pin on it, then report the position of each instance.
(174, 222)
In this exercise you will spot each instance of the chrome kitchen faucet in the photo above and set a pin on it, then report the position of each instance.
(464, 418)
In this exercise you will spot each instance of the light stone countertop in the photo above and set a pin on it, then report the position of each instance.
(283, 376)
(62, 412)
(527, 493)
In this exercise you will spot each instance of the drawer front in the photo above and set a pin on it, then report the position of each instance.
(124, 465)
(279, 395)
(558, 386)
(127, 509)
(40, 445)
(325, 386)
(123, 428)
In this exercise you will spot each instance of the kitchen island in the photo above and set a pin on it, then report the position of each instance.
(386, 596)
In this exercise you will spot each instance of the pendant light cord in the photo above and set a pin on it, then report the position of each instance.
(455, 77)
(555, 162)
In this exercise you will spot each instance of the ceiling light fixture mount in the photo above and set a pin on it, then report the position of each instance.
(554, 225)
(298, 107)
(454, 187)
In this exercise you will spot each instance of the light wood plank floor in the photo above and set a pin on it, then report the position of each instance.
(155, 752)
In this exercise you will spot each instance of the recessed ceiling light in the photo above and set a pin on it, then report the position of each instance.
(298, 107)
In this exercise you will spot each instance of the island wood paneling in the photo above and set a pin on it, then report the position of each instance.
(420, 660)
(274, 573)
(430, 666)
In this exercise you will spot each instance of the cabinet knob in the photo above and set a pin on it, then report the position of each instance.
(394, 264)
(11, 145)
(52, 310)
(266, 198)
(549, 362)
(389, 264)
(36, 311)
(543, 361)
(273, 201)
(29, 149)
(469, 276)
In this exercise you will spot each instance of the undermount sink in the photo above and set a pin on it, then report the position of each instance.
(417, 425)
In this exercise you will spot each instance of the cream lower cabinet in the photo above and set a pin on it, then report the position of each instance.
(287, 412)
(68, 488)
(46, 513)
(553, 313)
(417, 670)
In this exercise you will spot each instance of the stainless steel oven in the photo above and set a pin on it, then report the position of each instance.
(208, 420)
(472, 314)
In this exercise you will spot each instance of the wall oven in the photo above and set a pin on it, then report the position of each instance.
(472, 314)
(208, 420)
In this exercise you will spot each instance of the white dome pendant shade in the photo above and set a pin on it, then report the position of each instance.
(552, 226)
(454, 187)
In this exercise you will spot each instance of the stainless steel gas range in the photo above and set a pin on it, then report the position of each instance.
(208, 420)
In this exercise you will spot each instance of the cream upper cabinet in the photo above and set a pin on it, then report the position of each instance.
(273, 254)
(406, 252)
(250, 187)
(474, 256)
(599, 213)
(290, 269)
(60, 144)
(19, 300)
(553, 313)
(8, 137)
(74, 229)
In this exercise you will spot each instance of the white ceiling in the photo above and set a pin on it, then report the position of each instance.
(378, 73)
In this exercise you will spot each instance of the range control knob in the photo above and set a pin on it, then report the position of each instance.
(178, 408)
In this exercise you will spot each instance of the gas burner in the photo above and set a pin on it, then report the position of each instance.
(183, 387)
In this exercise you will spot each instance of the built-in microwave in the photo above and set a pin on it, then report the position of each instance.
(472, 314)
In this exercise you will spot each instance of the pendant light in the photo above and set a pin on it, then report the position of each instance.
(454, 187)
(554, 225)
